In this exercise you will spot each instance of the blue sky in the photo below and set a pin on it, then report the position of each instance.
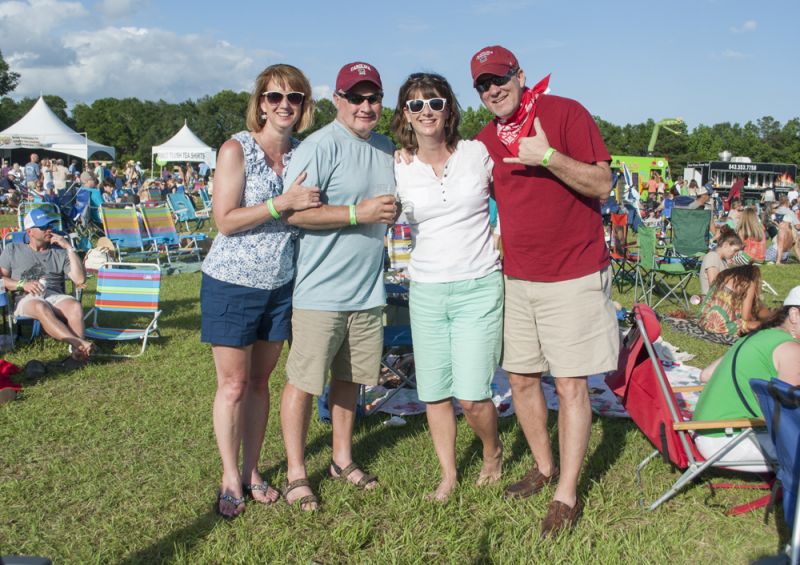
(706, 61)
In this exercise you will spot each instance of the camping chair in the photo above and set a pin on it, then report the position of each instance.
(780, 404)
(397, 346)
(654, 272)
(130, 290)
(690, 233)
(184, 210)
(622, 259)
(205, 197)
(645, 391)
(121, 224)
(161, 228)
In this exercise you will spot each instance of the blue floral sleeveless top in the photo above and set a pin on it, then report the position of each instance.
(263, 256)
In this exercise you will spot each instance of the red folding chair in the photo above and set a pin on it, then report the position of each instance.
(645, 391)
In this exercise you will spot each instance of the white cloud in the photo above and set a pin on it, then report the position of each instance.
(749, 25)
(322, 91)
(143, 63)
(66, 54)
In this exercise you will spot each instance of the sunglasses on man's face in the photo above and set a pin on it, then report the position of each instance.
(436, 104)
(275, 97)
(486, 83)
(358, 99)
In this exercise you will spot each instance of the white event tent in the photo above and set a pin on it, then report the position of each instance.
(184, 146)
(40, 128)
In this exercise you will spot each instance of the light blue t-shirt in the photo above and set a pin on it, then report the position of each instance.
(342, 269)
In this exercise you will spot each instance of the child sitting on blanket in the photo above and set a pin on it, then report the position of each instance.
(733, 305)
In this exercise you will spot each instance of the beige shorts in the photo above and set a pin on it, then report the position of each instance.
(566, 327)
(348, 344)
(51, 298)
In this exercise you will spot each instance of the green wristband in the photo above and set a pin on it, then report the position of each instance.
(353, 220)
(272, 211)
(20, 284)
(546, 158)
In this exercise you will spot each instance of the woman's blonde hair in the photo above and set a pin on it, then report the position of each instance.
(749, 226)
(290, 78)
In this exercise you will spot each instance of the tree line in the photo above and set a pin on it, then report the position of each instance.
(134, 126)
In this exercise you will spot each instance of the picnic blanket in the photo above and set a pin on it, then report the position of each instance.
(604, 402)
(691, 328)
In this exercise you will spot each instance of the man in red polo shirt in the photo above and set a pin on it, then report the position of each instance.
(551, 167)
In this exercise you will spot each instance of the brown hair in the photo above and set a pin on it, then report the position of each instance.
(289, 77)
(738, 279)
(727, 235)
(777, 317)
(427, 85)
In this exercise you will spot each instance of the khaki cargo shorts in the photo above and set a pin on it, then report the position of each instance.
(348, 344)
(567, 327)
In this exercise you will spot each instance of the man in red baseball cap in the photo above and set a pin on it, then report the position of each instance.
(550, 165)
(339, 296)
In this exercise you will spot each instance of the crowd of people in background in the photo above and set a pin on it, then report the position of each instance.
(43, 180)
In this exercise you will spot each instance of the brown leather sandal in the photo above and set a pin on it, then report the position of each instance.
(340, 474)
(307, 499)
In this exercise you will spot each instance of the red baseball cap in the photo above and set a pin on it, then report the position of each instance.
(353, 73)
(492, 60)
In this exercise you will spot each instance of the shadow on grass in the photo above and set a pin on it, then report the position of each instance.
(164, 549)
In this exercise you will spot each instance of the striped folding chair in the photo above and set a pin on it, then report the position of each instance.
(121, 225)
(185, 211)
(125, 291)
(161, 228)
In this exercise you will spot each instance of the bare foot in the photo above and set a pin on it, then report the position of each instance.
(443, 491)
(492, 468)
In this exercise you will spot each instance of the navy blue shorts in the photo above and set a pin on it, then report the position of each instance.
(237, 316)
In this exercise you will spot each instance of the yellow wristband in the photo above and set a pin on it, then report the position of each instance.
(546, 158)
(353, 220)
(272, 211)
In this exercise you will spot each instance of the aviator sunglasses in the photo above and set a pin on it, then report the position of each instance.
(436, 104)
(358, 99)
(485, 84)
(275, 97)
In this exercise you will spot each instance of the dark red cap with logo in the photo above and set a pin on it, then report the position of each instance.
(492, 60)
(353, 73)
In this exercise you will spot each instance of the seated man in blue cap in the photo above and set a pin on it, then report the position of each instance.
(37, 269)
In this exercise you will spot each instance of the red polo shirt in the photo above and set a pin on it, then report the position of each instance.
(550, 232)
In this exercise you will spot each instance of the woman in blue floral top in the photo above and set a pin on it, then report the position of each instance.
(246, 293)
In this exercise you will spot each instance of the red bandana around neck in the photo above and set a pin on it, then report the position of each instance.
(520, 124)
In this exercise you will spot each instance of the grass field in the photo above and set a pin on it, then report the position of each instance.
(116, 463)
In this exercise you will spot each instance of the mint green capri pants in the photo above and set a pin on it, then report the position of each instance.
(457, 328)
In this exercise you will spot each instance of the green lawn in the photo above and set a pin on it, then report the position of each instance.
(116, 462)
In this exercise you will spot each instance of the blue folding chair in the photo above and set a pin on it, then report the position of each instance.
(397, 346)
(780, 403)
(184, 210)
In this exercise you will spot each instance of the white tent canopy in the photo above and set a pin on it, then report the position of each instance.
(185, 146)
(40, 128)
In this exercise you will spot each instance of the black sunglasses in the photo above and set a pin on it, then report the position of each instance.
(275, 97)
(358, 99)
(486, 83)
(436, 104)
